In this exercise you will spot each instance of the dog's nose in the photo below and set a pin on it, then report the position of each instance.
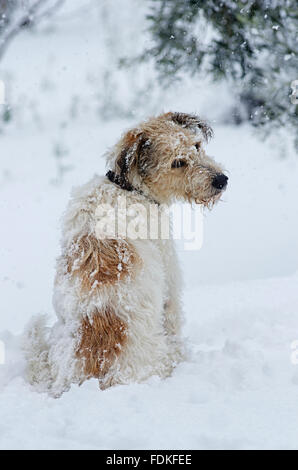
(220, 181)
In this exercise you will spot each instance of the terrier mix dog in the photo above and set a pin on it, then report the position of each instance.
(118, 299)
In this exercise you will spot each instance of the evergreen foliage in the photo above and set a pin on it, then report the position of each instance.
(252, 42)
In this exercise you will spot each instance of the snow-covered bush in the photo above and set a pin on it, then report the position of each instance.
(253, 43)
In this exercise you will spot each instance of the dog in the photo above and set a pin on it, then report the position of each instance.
(118, 299)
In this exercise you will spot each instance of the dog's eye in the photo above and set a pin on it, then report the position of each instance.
(198, 145)
(178, 163)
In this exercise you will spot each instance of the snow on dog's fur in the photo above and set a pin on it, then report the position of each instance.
(118, 300)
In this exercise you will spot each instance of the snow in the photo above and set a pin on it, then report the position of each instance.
(238, 389)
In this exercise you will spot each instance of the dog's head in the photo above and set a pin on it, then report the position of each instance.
(165, 158)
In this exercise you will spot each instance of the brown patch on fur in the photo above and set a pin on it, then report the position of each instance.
(102, 339)
(98, 262)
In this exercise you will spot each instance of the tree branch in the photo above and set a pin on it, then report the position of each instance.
(32, 16)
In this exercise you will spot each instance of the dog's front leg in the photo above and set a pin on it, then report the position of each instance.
(172, 305)
(173, 316)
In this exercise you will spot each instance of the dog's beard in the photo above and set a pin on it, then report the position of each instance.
(207, 202)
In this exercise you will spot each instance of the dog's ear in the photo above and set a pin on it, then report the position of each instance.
(135, 146)
(193, 122)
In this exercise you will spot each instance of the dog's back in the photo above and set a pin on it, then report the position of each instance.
(109, 298)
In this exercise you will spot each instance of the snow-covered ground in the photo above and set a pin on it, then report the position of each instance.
(238, 390)
(239, 387)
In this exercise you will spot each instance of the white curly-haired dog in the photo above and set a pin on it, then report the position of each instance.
(117, 299)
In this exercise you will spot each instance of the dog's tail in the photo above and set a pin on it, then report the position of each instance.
(36, 350)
